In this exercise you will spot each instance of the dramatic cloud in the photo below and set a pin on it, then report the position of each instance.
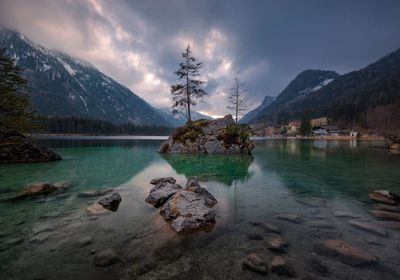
(263, 43)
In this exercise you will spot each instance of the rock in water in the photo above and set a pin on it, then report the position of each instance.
(368, 227)
(190, 208)
(344, 252)
(111, 202)
(384, 196)
(277, 244)
(106, 258)
(279, 266)
(268, 227)
(255, 263)
(386, 215)
(95, 192)
(208, 137)
(157, 181)
(161, 193)
(36, 189)
(290, 218)
(16, 147)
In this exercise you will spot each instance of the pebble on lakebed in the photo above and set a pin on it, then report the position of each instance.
(189, 208)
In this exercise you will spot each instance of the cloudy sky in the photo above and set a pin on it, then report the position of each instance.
(263, 43)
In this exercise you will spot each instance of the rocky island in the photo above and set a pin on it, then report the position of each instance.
(16, 147)
(221, 136)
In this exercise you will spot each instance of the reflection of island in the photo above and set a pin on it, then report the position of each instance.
(221, 168)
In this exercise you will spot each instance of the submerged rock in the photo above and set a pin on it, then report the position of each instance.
(290, 218)
(344, 252)
(344, 214)
(384, 196)
(277, 244)
(221, 136)
(386, 215)
(162, 192)
(16, 147)
(279, 266)
(96, 209)
(190, 208)
(93, 193)
(368, 227)
(254, 263)
(111, 202)
(106, 258)
(390, 208)
(36, 189)
(10, 243)
(268, 227)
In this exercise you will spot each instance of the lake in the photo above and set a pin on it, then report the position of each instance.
(324, 182)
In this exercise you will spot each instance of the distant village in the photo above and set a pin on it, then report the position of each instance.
(319, 126)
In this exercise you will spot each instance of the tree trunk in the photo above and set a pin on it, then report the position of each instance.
(187, 89)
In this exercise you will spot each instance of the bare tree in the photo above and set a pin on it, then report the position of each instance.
(236, 98)
(185, 93)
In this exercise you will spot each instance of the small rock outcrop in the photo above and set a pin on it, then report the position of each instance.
(35, 189)
(385, 197)
(221, 136)
(111, 202)
(189, 208)
(344, 252)
(16, 147)
(254, 263)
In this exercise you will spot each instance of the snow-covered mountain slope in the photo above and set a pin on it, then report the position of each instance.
(64, 86)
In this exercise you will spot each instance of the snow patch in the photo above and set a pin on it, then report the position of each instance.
(67, 67)
(318, 87)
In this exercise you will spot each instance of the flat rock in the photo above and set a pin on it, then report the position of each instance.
(85, 241)
(368, 227)
(96, 209)
(344, 252)
(290, 218)
(386, 215)
(160, 180)
(279, 266)
(39, 239)
(268, 227)
(254, 263)
(390, 208)
(161, 193)
(94, 193)
(106, 258)
(10, 243)
(344, 214)
(384, 196)
(111, 202)
(322, 225)
(36, 189)
(277, 244)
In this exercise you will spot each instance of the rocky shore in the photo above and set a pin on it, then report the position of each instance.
(16, 147)
(221, 136)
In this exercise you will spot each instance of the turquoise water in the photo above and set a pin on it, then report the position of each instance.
(311, 179)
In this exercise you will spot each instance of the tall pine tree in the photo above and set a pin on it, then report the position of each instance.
(236, 98)
(190, 89)
(15, 108)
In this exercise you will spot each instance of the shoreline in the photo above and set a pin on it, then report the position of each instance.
(342, 137)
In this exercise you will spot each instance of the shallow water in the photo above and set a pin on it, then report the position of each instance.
(53, 238)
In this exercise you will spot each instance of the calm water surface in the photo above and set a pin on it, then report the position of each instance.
(53, 238)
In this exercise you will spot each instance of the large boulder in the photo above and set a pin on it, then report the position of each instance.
(161, 193)
(221, 136)
(111, 202)
(189, 208)
(16, 147)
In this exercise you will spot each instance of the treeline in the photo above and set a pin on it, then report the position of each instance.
(73, 125)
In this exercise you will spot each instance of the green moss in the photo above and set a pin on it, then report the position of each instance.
(234, 134)
(191, 130)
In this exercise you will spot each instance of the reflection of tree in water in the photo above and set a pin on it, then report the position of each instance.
(220, 168)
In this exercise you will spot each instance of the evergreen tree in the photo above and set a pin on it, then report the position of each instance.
(305, 125)
(185, 93)
(236, 98)
(15, 108)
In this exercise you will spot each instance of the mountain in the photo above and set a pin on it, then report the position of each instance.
(63, 86)
(180, 118)
(304, 84)
(266, 101)
(367, 98)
